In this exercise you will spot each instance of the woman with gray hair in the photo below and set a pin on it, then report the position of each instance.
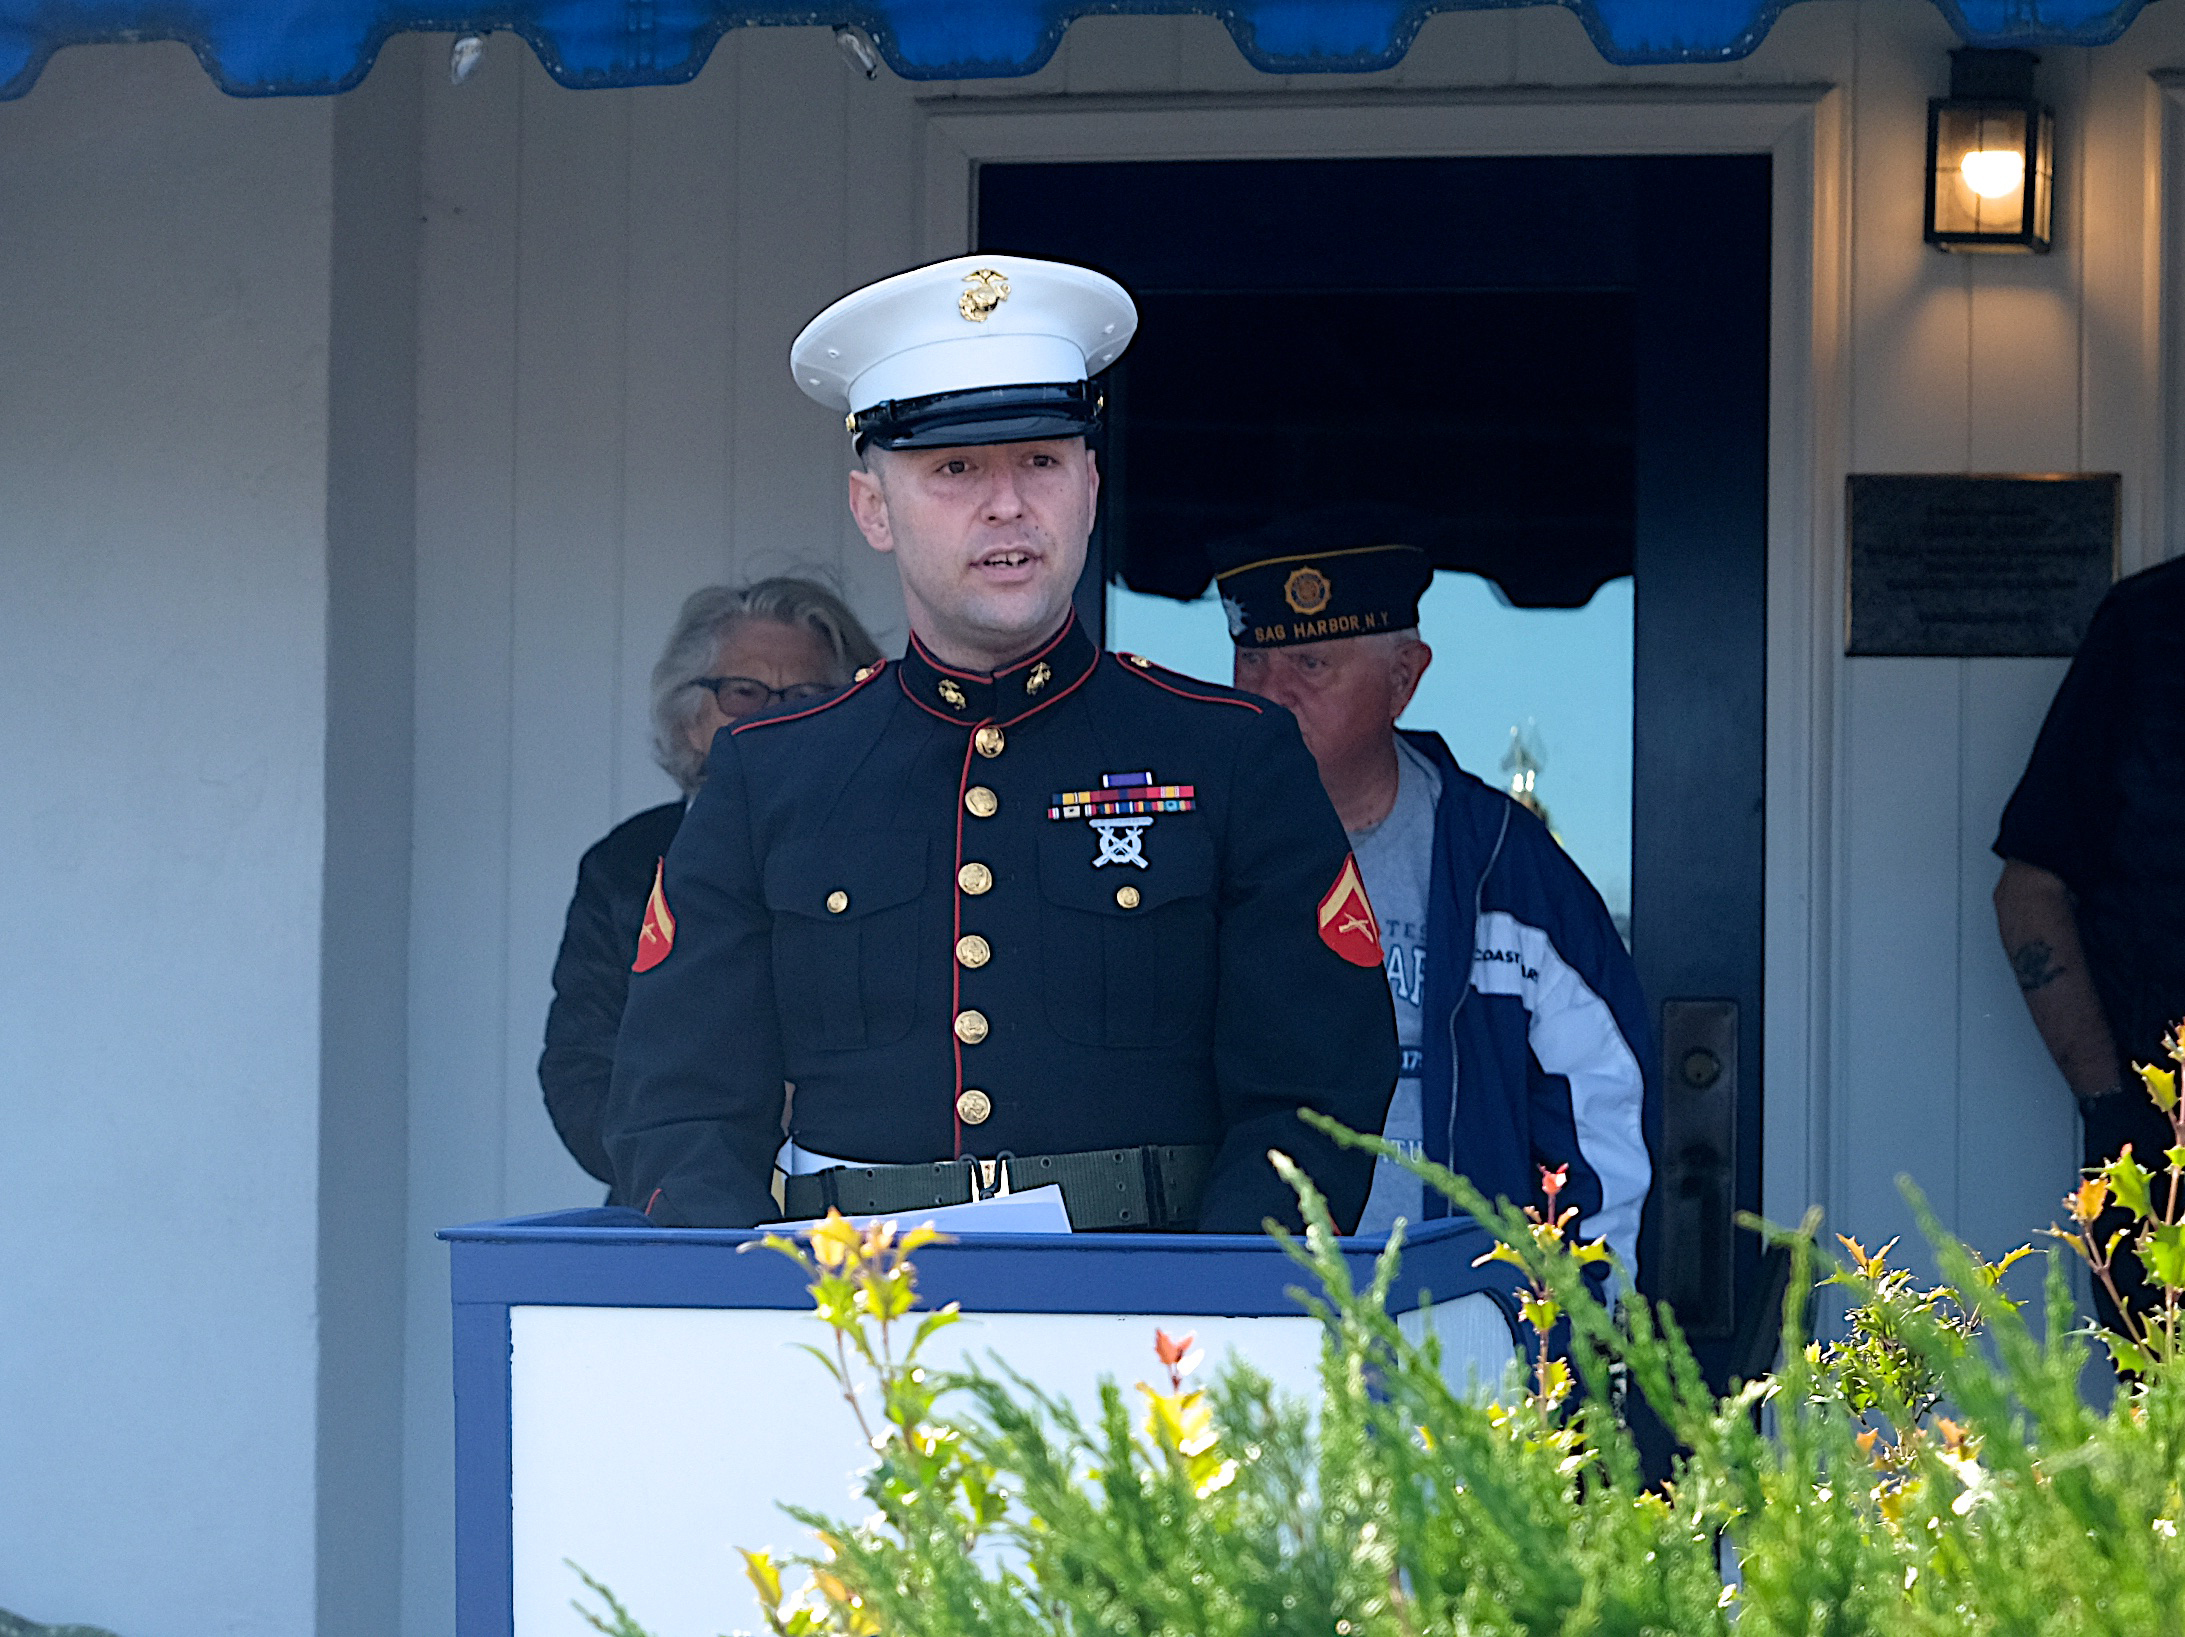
(734, 651)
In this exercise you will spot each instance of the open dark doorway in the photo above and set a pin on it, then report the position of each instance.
(1565, 360)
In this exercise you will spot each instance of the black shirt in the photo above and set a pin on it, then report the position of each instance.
(592, 978)
(2102, 804)
(889, 899)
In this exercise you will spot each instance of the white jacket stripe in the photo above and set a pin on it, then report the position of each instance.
(1573, 1033)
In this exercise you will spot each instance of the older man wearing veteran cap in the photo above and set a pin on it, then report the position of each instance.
(1010, 911)
(1518, 1009)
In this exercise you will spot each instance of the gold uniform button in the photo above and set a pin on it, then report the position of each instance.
(973, 950)
(973, 1107)
(971, 1027)
(1127, 897)
(974, 878)
(837, 901)
(988, 742)
(982, 802)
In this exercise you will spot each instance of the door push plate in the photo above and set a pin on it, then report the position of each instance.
(1697, 1195)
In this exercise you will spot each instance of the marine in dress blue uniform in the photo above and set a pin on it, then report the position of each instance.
(1079, 913)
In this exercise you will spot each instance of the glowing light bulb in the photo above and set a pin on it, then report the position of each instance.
(1993, 172)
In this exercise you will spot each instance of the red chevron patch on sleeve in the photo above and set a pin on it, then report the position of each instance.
(657, 936)
(1347, 923)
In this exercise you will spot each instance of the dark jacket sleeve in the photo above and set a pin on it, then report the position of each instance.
(694, 1116)
(591, 979)
(1296, 1025)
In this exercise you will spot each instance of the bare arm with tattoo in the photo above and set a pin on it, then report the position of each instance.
(2033, 909)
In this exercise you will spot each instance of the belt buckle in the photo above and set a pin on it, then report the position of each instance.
(991, 1176)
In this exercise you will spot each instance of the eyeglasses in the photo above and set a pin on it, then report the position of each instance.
(745, 695)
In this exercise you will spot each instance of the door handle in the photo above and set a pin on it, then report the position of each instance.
(1698, 1197)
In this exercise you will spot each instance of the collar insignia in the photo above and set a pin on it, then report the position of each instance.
(951, 695)
(1042, 674)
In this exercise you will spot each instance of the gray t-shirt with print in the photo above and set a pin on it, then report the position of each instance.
(1396, 858)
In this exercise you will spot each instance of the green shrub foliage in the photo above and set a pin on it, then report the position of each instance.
(1934, 1471)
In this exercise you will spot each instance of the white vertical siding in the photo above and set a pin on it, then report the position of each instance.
(163, 502)
(466, 448)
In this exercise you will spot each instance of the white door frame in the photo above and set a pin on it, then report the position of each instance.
(1803, 129)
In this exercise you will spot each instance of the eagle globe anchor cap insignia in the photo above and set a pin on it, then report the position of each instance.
(989, 289)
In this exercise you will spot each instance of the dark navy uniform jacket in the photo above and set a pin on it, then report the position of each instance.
(871, 901)
(592, 980)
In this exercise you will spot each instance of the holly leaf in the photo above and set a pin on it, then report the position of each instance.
(2130, 1179)
(2164, 1255)
(2129, 1355)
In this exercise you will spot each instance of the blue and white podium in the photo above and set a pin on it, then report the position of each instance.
(631, 1398)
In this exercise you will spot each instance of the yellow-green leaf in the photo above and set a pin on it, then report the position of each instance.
(765, 1578)
(2129, 1179)
(2164, 1255)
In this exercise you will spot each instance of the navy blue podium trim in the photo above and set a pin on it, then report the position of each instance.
(485, 1558)
(616, 1258)
(605, 1258)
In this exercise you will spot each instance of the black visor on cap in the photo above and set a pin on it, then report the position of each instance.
(1011, 414)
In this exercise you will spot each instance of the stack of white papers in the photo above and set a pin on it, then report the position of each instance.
(1036, 1210)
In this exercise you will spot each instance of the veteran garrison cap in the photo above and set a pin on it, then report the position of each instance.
(1345, 571)
(981, 349)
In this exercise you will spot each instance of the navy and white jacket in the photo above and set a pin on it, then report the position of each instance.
(1536, 1043)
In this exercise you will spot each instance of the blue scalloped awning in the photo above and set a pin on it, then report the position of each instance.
(307, 47)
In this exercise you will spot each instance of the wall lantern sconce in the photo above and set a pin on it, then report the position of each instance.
(1991, 157)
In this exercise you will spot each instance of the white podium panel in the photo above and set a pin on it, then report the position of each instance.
(648, 1444)
(634, 1400)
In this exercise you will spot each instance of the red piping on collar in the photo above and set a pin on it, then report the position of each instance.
(903, 678)
(926, 654)
(1185, 693)
(825, 704)
(1036, 708)
(1053, 642)
(1069, 624)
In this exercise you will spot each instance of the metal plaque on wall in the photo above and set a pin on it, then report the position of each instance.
(1981, 567)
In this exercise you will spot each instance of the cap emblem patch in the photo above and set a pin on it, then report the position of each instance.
(989, 289)
(657, 936)
(1347, 923)
(1306, 591)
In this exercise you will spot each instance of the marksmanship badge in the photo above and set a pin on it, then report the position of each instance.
(1122, 841)
(1121, 811)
